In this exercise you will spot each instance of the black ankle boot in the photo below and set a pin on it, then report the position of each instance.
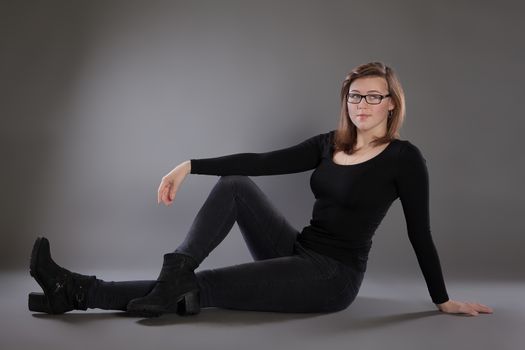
(63, 290)
(176, 291)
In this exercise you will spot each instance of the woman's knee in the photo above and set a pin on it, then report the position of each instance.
(235, 178)
(236, 181)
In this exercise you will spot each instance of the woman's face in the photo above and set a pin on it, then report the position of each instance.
(370, 117)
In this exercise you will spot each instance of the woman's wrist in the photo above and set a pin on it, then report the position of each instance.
(443, 305)
(187, 165)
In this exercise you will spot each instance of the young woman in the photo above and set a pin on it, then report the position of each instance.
(360, 169)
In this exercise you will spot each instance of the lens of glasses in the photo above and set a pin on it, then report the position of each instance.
(372, 99)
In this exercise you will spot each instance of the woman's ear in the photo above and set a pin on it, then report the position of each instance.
(391, 105)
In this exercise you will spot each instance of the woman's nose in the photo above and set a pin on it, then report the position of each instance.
(362, 103)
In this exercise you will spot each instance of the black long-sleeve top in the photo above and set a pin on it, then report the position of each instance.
(351, 200)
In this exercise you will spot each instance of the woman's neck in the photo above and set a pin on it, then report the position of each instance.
(363, 140)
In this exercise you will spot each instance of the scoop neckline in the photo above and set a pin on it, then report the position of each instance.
(364, 162)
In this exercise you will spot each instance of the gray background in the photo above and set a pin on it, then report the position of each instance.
(100, 99)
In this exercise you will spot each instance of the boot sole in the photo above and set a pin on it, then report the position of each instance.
(37, 302)
(186, 304)
(143, 313)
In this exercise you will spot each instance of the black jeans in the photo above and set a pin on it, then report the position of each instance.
(285, 276)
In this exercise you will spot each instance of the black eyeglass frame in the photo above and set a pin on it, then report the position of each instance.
(366, 98)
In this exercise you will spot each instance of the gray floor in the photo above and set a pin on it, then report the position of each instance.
(385, 315)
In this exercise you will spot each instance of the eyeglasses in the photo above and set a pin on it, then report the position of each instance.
(373, 99)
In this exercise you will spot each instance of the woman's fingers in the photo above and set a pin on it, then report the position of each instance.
(169, 196)
(479, 307)
(472, 309)
(476, 308)
(162, 192)
(483, 308)
(165, 195)
(159, 193)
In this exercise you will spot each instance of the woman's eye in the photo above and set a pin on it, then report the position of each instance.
(375, 97)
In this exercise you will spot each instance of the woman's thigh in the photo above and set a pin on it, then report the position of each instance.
(298, 283)
(267, 232)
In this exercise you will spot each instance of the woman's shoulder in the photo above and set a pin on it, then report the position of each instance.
(409, 152)
(408, 146)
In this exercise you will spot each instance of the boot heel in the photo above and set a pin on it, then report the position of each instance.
(38, 302)
(189, 303)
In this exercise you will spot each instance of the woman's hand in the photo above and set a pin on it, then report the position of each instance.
(170, 183)
(458, 307)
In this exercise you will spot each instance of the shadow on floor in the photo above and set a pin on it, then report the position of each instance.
(359, 315)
